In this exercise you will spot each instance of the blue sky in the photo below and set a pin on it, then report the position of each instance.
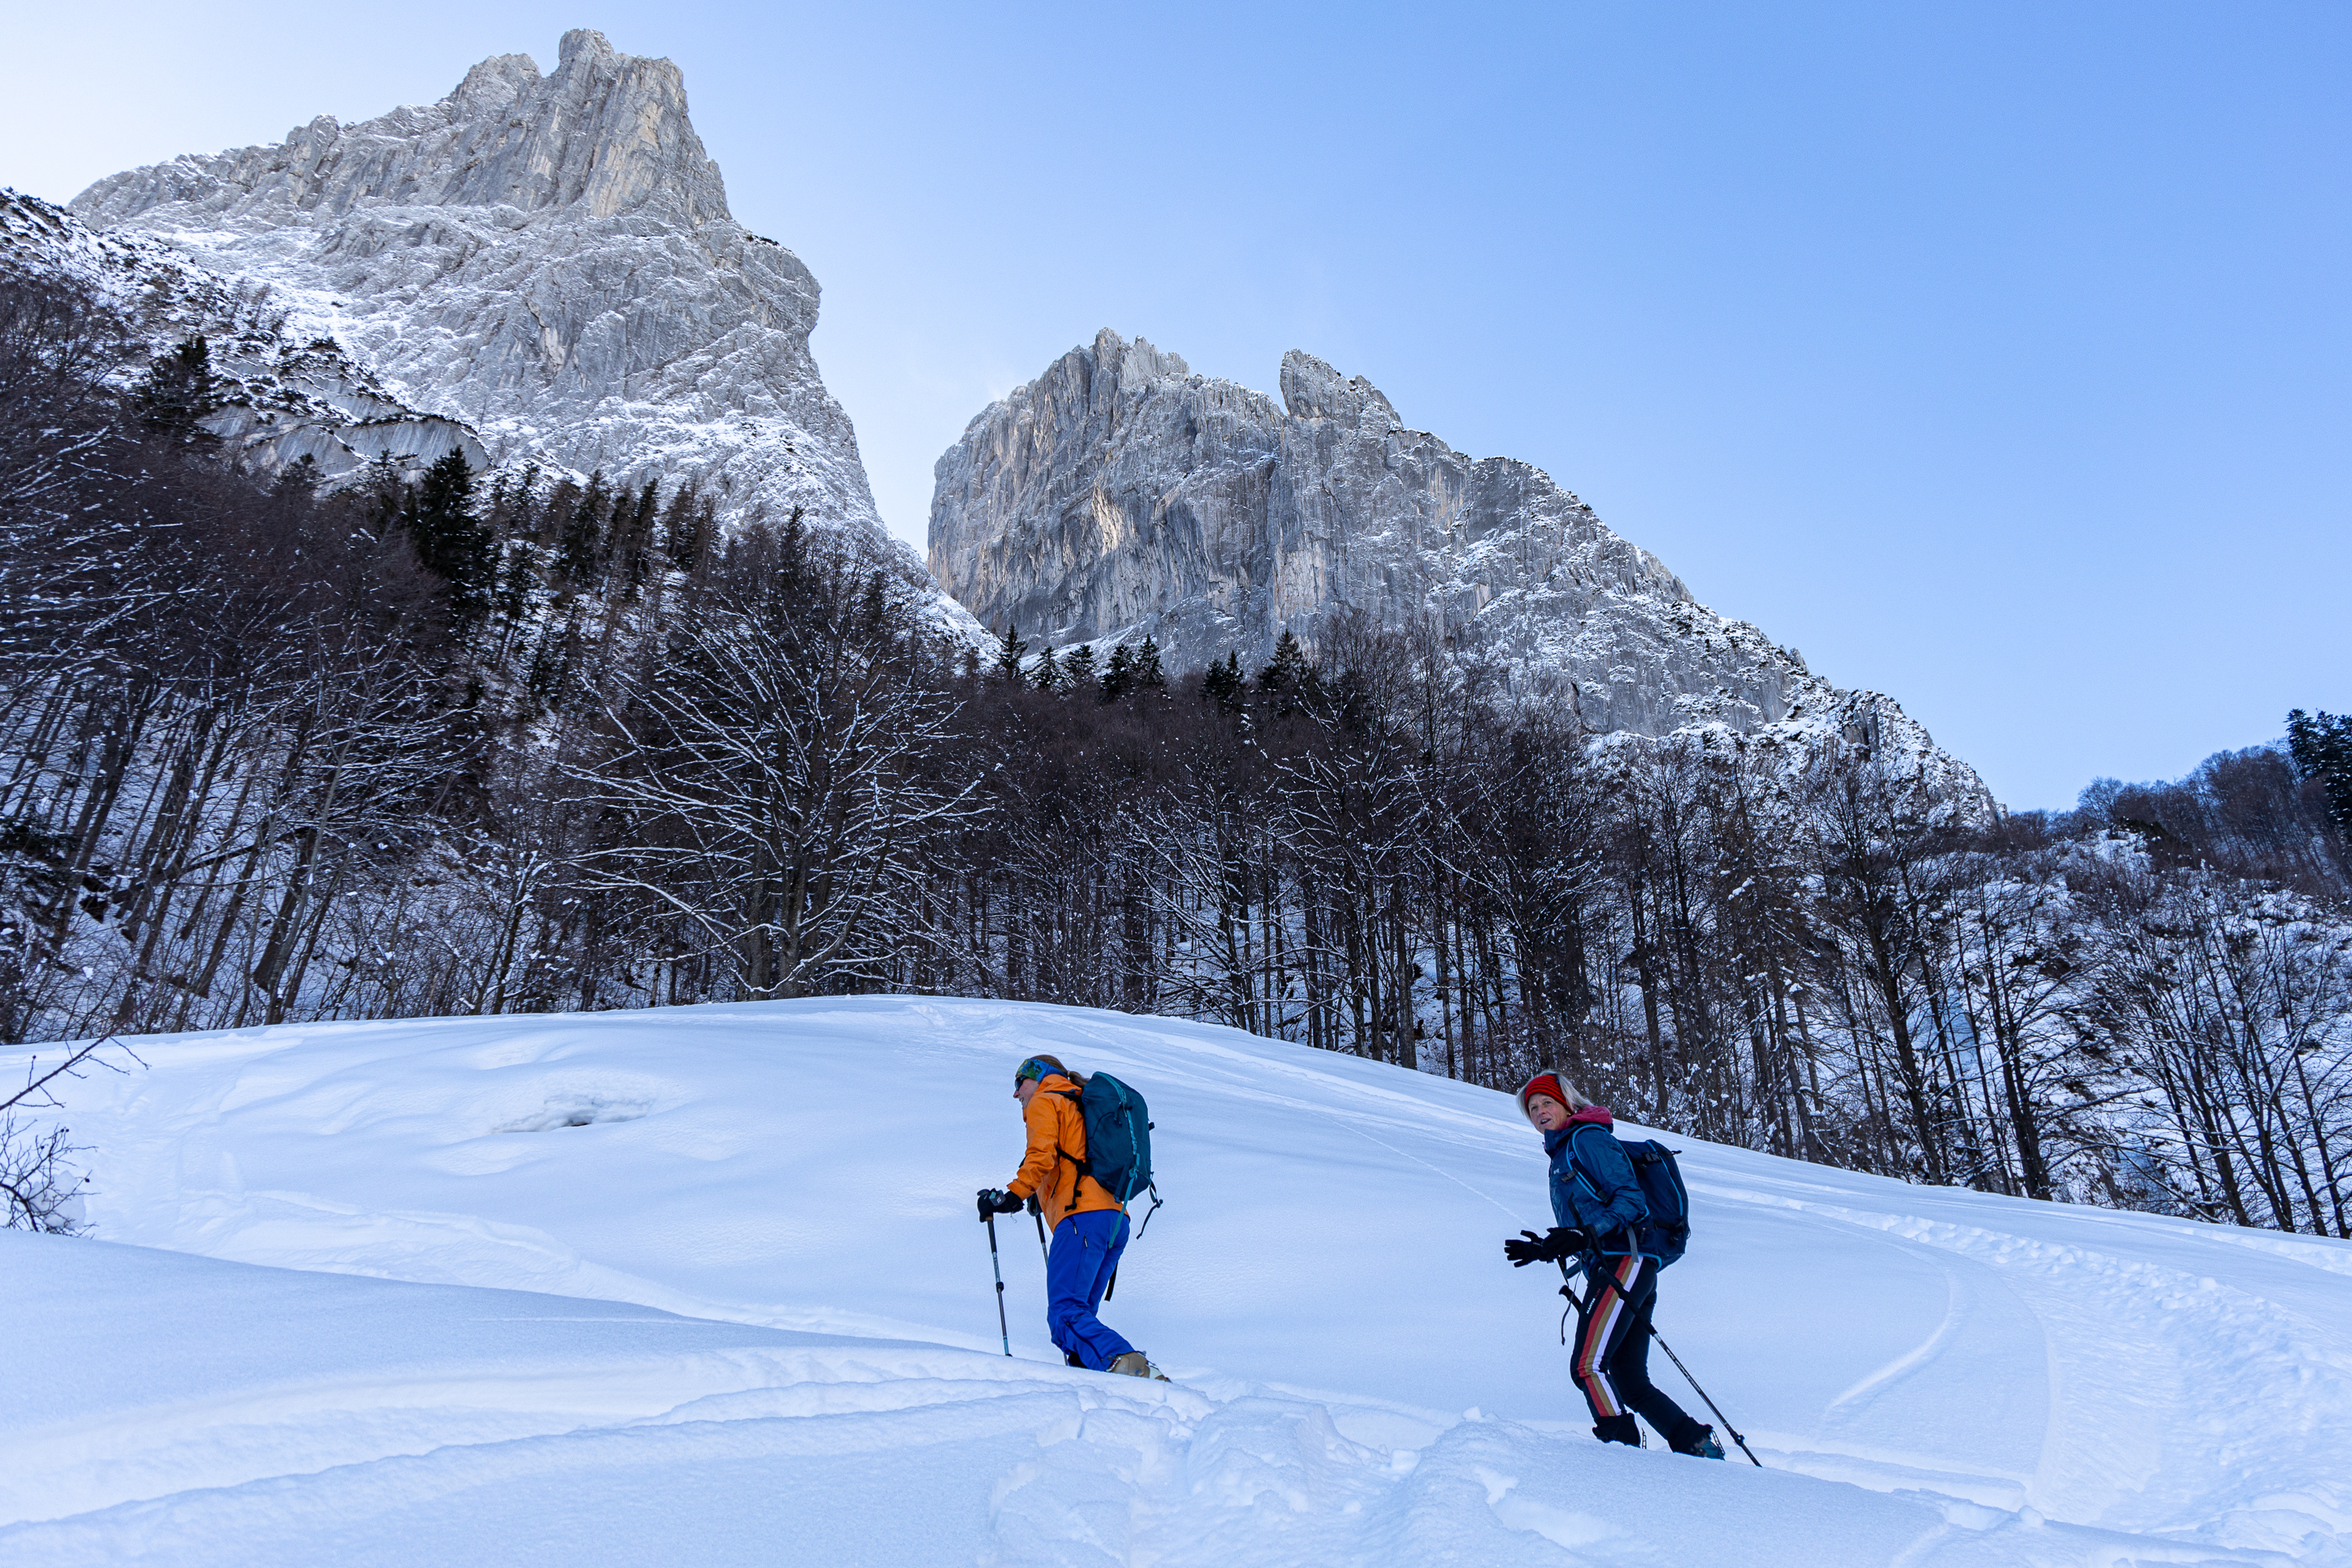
(1993, 355)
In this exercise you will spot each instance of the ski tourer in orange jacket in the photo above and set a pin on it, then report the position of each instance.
(1089, 1225)
(1056, 1130)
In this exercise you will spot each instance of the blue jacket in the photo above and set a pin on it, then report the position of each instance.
(1593, 1185)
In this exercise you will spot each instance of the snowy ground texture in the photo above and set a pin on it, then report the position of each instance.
(703, 1285)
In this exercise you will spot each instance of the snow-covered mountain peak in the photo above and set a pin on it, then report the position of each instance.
(547, 260)
(1120, 495)
(606, 133)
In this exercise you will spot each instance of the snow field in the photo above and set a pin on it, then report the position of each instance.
(1933, 1377)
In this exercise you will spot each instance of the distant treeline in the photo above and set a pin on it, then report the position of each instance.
(453, 745)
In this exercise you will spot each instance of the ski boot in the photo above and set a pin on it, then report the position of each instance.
(1619, 1429)
(1135, 1364)
(1701, 1444)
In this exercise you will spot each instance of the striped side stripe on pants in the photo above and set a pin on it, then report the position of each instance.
(1601, 1330)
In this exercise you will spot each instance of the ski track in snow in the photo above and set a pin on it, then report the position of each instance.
(703, 1285)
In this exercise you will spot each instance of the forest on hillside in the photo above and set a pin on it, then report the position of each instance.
(459, 743)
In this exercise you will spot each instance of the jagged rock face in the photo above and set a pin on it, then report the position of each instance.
(284, 398)
(1120, 495)
(549, 260)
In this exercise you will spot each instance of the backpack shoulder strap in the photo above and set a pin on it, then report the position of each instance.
(1593, 1186)
(1078, 1103)
(1576, 1165)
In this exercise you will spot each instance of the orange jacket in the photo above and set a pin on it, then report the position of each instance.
(1056, 1128)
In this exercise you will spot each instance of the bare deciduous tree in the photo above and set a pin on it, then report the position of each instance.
(771, 778)
(39, 1179)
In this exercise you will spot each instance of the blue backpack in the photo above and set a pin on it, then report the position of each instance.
(1667, 1232)
(1118, 1138)
(1661, 1175)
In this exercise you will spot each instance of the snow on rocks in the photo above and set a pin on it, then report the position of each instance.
(549, 263)
(550, 259)
(766, 1324)
(1121, 494)
(286, 395)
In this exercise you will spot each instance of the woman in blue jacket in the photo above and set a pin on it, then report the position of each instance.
(1602, 1217)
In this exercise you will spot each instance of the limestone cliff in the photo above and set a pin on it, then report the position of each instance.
(549, 260)
(1119, 495)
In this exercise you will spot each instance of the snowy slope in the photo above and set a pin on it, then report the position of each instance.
(1933, 1377)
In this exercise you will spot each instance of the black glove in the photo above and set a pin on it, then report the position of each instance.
(1555, 1246)
(995, 1201)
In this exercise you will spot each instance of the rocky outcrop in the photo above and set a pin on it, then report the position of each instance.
(284, 398)
(1119, 495)
(547, 260)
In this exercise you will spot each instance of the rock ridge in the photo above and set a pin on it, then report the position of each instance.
(547, 260)
(1120, 495)
(284, 399)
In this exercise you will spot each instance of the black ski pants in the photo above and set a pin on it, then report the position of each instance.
(1612, 1354)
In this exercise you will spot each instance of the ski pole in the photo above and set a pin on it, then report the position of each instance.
(1703, 1394)
(993, 1267)
(1043, 1251)
(1569, 1292)
(1711, 1404)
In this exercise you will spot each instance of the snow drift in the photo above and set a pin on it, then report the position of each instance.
(704, 1285)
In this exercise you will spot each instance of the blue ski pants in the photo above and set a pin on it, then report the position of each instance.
(1077, 1271)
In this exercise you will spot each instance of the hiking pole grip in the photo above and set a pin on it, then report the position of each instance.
(1003, 1331)
(1702, 1393)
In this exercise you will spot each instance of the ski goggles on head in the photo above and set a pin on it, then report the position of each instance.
(1036, 1068)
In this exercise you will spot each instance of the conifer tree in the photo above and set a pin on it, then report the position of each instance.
(1078, 669)
(874, 610)
(514, 583)
(555, 517)
(1222, 683)
(1047, 676)
(1289, 662)
(551, 662)
(387, 492)
(178, 391)
(509, 510)
(299, 477)
(1008, 650)
(1147, 675)
(1286, 680)
(633, 542)
(2321, 745)
(451, 539)
(1119, 676)
(683, 527)
(579, 550)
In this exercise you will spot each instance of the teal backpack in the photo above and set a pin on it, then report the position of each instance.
(1119, 1138)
